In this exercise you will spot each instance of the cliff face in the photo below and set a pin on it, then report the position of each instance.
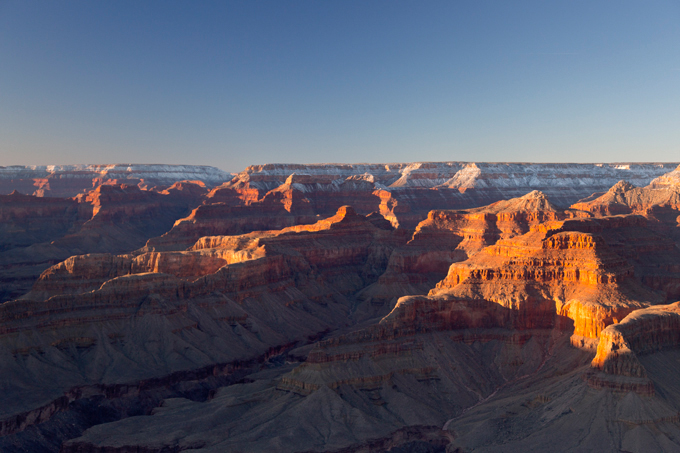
(70, 180)
(226, 298)
(625, 198)
(483, 226)
(277, 196)
(656, 257)
(110, 218)
(408, 191)
(459, 332)
(26, 220)
(642, 332)
(559, 274)
(449, 236)
(463, 176)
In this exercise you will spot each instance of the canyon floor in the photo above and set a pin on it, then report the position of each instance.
(422, 307)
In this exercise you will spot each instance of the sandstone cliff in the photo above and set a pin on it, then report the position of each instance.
(481, 360)
(70, 180)
(641, 333)
(559, 274)
(132, 317)
(449, 236)
(110, 218)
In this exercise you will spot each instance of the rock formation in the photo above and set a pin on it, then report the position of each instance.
(111, 218)
(557, 270)
(449, 236)
(640, 333)
(655, 256)
(70, 180)
(437, 313)
(407, 192)
(227, 298)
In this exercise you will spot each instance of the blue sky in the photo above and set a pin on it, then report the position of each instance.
(237, 83)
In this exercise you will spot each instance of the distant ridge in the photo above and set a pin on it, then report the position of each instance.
(70, 180)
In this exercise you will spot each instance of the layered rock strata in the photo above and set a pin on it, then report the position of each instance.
(485, 357)
(102, 319)
(449, 236)
(655, 256)
(642, 332)
(521, 178)
(110, 218)
(70, 180)
(26, 220)
(558, 274)
(341, 398)
(402, 193)
(625, 198)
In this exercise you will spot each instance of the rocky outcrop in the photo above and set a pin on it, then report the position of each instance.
(480, 308)
(225, 299)
(406, 192)
(26, 220)
(481, 227)
(655, 256)
(110, 218)
(559, 274)
(669, 180)
(642, 332)
(345, 398)
(70, 180)
(625, 198)
(450, 236)
(520, 178)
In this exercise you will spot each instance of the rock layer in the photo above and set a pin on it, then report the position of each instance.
(70, 180)
(559, 271)
(642, 332)
(110, 218)
(225, 299)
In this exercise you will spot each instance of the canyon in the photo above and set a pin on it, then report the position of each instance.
(450, 306)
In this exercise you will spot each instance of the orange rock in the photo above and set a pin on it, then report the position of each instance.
(554, 275)
(642, 332)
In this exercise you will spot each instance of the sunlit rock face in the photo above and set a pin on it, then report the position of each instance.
(642, 332)
(70, 180)
(436, 306)
(42, 231)
(448, 236)
(655, 256)
(406, 192)
(559, 270)
(226, 298)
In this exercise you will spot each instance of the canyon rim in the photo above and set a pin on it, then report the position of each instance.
(427, 306)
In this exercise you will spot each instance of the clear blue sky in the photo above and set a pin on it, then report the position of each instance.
(237, 83)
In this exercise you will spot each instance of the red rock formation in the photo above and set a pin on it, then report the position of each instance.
(516, 270)
(655, 256)
(624, 198)
(270, 287)
(481, 227)
(642, 332)
(109, 218)
(25, 220)
(234, 209)
(554, 273)
(669, 180)
(405, 193)
(70, 180)
(450, 236)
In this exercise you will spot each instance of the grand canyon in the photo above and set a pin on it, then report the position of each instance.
(402, 307)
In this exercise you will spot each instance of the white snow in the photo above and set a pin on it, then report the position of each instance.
(161, 174)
